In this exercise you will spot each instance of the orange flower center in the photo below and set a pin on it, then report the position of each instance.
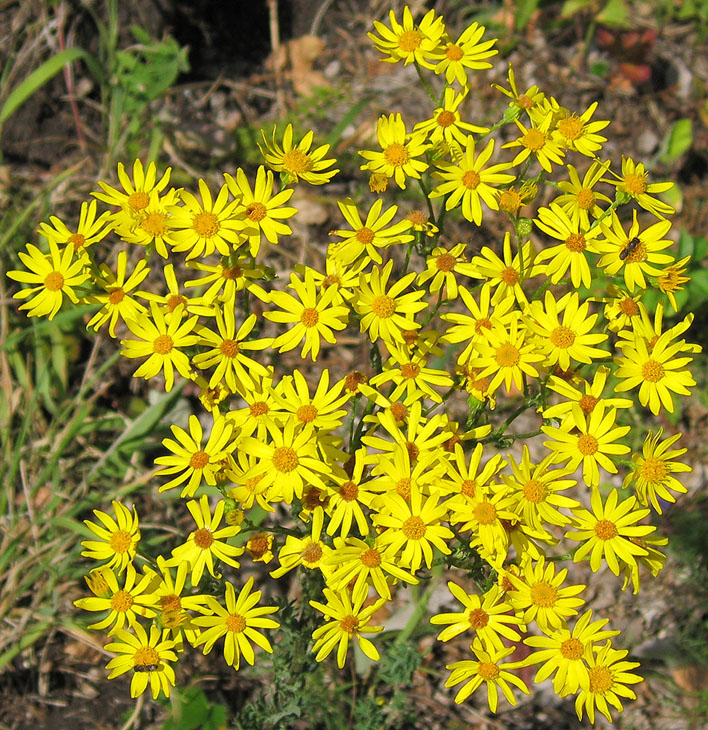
(349, 624)
(413, 528)
(575, 243)
(629, 307)
(162, 344)
(285, 459)
(413, 451)
(535, 491)
(654, 470)
(507, 355)
(543, 594)
(606, 530)
(587, 404)
(77, 240)
(309, 317)
(510, 276)
(296, 162)
(468, 487)
(534, 140)
(53, 281)
(383, 306)
(199, 460)
(138, 201)
(312, 553)
(409, 41)
(174, 300)
(203, 538)
(399, 411)
(572, 649)
(154, 224)
(403, 488)
(445, 262)
(229, 348)
(488, 671)
(353, 380)
(471, 179)
(445, 118)
(121, 601)
(396, 155)
(485, 513)
(260, 408)
(235, 623)
(585, 198)
(256, 212)
(652, 371)
(478, 618)
(454, 52)
(205, 224)
(635, 184)
(600, 679)
(365, 235)
(146, 656)
(233, 273)
(410, 370)
(571, 127)
(306, 413)
(121, 540)
(170, 602)
(349, 491)
(510, 201)
(371, 558)
(587, 445)
(116, 296)
(562, 337)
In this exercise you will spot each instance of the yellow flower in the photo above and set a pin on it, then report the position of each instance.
(237, 623)
(192, 462)
(524, 101)
(539, 594)
(407, 41)
(446, 126)
(486, 615)
(321, 410)
(577, 132)
(634, 182)
(297, 162)
(154, 225)
(134, 199)
(399, 151)
(231, 277)
(207, 541)
(579, 201)
(118, 539)
(571, 337)
(592, 444)
(89, 230)
(207, 226)
(608, 675)
(506, 275)
(672, 277)
(263, 210)
(117, 303)
(385, 314)
(312, 316)
(441, 267)
(367, 237)
(309, 551)
(654, 469)
(147, 657)
(609, 531)
(347, 620)
(159, 341)
(469, 51)
(537, 141)
(51, 277)
(469, 182)
(488, 668)
(349, 493)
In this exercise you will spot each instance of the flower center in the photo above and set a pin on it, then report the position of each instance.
(170, 602)
(349, 491)
(371, 558)
(154, 224)
(410, 370)
(306, 413)
(203, 538)
(600, 679)
(365, 235)
(296, 162)
(417, 218)
(507, 356)
(445, 118)
(471, 179)
(383, 306)
(312, 553)
(534, 140)
(229, 348)
(259, 545)
(468, 487)
(349, 624)
(562, 337)
(575, 243)
(445, 262)
(53, 281)
(652, 371)
(635, 184)
(205, 224)
(488, 671)
(629, 307)
(174, 300)
(587, 403)
(409, 41)
(121, 541)
(199, 460)
(571, 127)
(485, 513)
(585, 198)
(233, 273)
(587, 445)
(403, 488)
(353, 380)
(413, 451)
(116, 296)
(77, 240)
(535, 491)
(510, 201)
(572, 649)
(543, 594)
(162, 344)
(309, 317)
(256, 212)
(121, 601)
(138, 201)
(146, 656)
(606, 530)
(478, 618)
(285, 459)
(396, 155)
(654, 470)
(235, 623)
(399, 411)
(510, 276)
(260, 408)
(413, 528)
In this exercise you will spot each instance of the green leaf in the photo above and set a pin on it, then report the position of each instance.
(50, 68)
(571, 7)
(614, 13)
(524, 10)
(699, 284)
(679, 140)
(686, 244)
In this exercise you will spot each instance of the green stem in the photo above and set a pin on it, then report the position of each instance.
(421, 606)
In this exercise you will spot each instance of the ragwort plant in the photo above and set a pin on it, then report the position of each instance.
(365, 480)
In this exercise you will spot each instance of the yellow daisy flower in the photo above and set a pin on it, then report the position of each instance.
(50, 277)
(506, 274)
(309, 551)
(577, 132)
(446, 127)
(609, 531)
(227, 278)
(297, 162)
(487, 668)
(207, 226)
(589, 440)
(468, 51)
(207, 541)
(312, 315)
(118, 539)
(369, 236)
(321, 410)
(521, 101)
(672, 277)
(407, 41)
(399, 153)
(468, 181)
(147, 657)
(537, 140)
(89, 230)
(237, 623)
(349, 493)
(264, 211)
(608, 676)
(347, 619)
(160, 340)
(173, 297)
(441, 267)
(579, 200)
(154, 226)
(654, 468)
(634, 182)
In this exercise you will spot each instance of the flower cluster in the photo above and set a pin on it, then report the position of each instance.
(382, 482)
